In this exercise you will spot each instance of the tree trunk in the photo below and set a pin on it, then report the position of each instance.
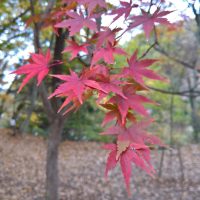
(33, 96)
(194, 115)
(195, 120)
(52, 177)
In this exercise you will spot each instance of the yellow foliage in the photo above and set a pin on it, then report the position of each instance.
(34, 118)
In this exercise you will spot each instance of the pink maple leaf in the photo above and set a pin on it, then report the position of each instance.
(74, 87)
(106, 36)
(107, 54)
(125, 10)
(136, 133)
(74, 48)
(132, 101)
(110, 83)
(39, 66)
(115, 113)
(91, 5)
(76, 23)
(138, 69)
(137, 153)
(148, 21)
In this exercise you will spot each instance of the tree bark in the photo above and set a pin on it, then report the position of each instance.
(194, 115)
(52, 177)
(195, 120)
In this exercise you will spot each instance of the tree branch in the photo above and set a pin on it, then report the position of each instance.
(13, 20)
(179, 93)
(148, 50)
(47, 11)
(42, 90)
(57, 69)
(47, 105)
(162, 51)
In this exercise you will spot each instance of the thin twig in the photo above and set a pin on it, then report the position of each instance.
(148, 50)
(179, 93)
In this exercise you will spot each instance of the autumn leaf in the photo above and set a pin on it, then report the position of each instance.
(107, 54)
(106, 35)
(113, 112)
(136, 133)
(148, 20)
(132, 101)
(124, 10)
(111, 84)
(121, 147)
(76, 23)
(74, 48)
(39, 66)
(138, 69)
(97, 73)
(125, 153)
(74, 87)
(91, 5)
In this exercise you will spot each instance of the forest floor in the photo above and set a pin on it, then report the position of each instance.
(82, 164)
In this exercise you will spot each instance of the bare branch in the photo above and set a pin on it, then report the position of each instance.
(36, 29)
(151, 3)
(148, 50)
(162, 51)
(151, 46)
(47, 105)
(179, 93)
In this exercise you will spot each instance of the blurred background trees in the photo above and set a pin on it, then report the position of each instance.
(178, 115)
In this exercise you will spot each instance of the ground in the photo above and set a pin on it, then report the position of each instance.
(82, 164)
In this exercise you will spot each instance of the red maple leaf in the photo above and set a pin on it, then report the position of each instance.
(39, 66)
(110, 83)
(91, 5)
(125, 10)
(74, 48)
(138, 69)
(74, 87)
(148, 20)
(115, 113)
(107, 54)
(137, 153)
(136, 133)
(95, 72)
(106, 36)
(76, 23)
(132, 101)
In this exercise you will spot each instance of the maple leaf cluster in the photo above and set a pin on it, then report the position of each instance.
(120, 92)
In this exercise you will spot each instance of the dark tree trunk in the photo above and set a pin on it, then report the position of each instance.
(195, 120)
(52, 177)
(194, 115)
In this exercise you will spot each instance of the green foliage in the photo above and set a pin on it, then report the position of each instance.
(174, 118)
(85, 124)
